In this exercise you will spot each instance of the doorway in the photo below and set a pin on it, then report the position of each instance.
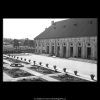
(71, 51)
(79, 52)
(47, 49)
(64, 52)
(52, 50)
(88, 52)
(58, 51)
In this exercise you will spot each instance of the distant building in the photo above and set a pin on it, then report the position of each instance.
(69, 38)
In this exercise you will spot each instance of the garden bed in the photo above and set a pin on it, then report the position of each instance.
(69, 78)
(5, 63)
(15, 60)
(32, 80)
(43, 70)
(16, 72)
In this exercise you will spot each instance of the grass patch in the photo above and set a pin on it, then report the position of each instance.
(43, 70)
(5, 63)
(32, 80)
(16, 72)
(15, 60)
(69, 78)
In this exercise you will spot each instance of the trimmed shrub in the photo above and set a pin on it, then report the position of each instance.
(24, 59)
(29, 60)
(34, 62)
(92, 76)
(40, 63)
(64, 69)
(47, 65)
(55, 68)
(75, 72)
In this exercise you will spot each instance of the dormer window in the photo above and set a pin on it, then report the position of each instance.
(88, 44)
(75, 24)
(64, 26)
(54, 27)
(79, 44)
(91, 22)
(64, 44)
(71, 44)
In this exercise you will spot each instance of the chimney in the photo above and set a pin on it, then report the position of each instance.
(52, 22)
(46, 28)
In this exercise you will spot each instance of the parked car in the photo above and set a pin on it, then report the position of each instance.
(54, 56)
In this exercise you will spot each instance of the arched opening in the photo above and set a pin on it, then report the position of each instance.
(79, 51)
(64, 52)
(47, 49)
(52, 50)
(58, 51)
(71, 51)
(88, 52)
(43, 51)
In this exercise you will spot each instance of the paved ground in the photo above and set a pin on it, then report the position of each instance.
(6, 77)
(84, 68)
(83, 76)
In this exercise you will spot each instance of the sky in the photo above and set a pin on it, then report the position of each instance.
(25, 28)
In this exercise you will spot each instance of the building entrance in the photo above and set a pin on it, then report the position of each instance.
(47, 49)
(71, 51)
(88, 52)
(64, 52)
(58, 51)
(52, 50)
(79, 52)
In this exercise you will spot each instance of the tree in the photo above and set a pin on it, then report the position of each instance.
(92, 76)
(55, 67)
(75, 72)
(47, 65)
(15, 43)
(34, 62)
(40, 63)
(64, 69)
(29, 60)
(24, 59)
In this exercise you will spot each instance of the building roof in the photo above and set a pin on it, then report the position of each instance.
(74, 27)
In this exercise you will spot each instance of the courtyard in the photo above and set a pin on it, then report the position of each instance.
(42, 73)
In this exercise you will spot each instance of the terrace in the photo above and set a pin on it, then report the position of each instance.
(43, 73)
(69, 78)
(16, 72)
(43, 70)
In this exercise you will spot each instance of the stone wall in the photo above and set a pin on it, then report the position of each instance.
(82, 47)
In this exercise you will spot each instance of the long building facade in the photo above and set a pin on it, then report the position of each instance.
(68, 43)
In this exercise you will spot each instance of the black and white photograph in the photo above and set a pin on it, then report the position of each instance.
(50, 50)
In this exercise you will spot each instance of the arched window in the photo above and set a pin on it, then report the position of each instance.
(64, 43)
(64, 26)
(90, 22)
(71, 43)
(52, 43)
(79, 44)
(88, 44)
(54, 27)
